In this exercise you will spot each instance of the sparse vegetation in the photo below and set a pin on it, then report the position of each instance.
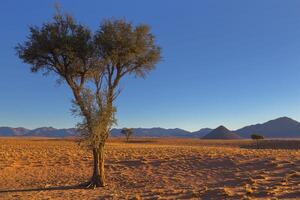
(92, 65)
(127, 132)
(257, 137)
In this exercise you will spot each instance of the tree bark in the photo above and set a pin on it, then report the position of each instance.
(98, 178)
(101, 166)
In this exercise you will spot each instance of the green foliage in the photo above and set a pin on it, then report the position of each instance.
(131, 48)
(62, 46)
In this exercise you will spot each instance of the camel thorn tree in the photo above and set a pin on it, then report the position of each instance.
(92, 64)
(127, 132)
(257, 137)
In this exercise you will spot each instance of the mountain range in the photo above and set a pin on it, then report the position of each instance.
(162, 132)
(283, 127)
(39, 132)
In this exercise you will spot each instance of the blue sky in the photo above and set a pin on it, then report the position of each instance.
(230, 62)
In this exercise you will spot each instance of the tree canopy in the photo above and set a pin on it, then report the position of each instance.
(257, 137)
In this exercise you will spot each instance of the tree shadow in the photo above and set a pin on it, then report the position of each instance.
(70, 187)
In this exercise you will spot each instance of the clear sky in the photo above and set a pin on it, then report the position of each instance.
(232, 62)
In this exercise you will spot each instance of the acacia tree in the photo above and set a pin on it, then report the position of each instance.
(92, 65)
(127, 132)
(257, 137)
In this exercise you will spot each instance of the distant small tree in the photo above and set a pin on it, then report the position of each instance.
(127, 132)
(257, 138)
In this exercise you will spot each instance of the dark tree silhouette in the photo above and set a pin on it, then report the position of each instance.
(127, 132)
(92, 65)
(257, 137)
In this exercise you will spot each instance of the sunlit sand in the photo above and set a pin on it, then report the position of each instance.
(36, 168)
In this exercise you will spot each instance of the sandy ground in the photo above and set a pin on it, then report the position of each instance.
(38, 168)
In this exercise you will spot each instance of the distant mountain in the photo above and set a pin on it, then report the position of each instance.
(52, 132)
(221, 133)
(8, 131)
(202, 132)
(156, 132)
(39, 132)
(283, 127)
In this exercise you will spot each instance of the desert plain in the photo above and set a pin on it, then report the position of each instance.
(44, 168)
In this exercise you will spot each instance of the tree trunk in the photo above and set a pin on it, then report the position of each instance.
(98, 178)
(101, 166)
